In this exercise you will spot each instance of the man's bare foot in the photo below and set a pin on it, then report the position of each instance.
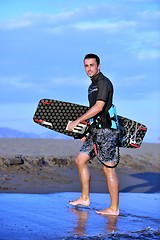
(80, 201)
(108, 211)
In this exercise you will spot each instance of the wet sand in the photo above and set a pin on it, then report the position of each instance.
(47, 166)
(47, 216)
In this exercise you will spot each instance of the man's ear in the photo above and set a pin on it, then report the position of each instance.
(99, 67)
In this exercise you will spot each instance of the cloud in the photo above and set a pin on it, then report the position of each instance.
(43, 53)
(150, 14)
(146, 45)
(151, 54)
(100, 15)
(69, 81)
(42, 56)
(134, 80)
(15, 24)
(106, 26)
(31, 19)
(17, 82)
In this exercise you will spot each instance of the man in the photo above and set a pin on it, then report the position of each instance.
(100, 94)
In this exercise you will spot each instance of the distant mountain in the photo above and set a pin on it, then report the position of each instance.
(13, 133)
(6, 132)
(53, 134)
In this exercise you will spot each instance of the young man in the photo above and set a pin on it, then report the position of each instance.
(100, 94)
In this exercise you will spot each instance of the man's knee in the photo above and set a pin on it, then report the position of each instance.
(108, 171)
(81, 159)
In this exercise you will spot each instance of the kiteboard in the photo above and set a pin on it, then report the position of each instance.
(56, 115)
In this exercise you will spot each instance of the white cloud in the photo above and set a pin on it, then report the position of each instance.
(148, 54)
(134, 80)
(69, 81)
(15, 24)
(149, 14)
(108, 26)
(124, 33)
(54, 30)
(15, 82)
(145, 44)
(42, 19)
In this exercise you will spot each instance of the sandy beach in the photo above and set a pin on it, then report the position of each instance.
(47, 166)
(38, 177)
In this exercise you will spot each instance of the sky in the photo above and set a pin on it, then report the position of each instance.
(42, 46)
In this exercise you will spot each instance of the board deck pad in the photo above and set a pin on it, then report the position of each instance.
(55, 115)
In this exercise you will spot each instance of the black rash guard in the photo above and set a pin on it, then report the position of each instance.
(101, 89)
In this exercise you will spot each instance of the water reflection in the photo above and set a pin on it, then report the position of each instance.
(80, 228)
(82, 215)
(111, 223)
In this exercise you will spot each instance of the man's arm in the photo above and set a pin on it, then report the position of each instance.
(93, 111)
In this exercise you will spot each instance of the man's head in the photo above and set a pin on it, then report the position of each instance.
(92, 64)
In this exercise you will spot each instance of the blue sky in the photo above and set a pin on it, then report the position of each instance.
(43, 43)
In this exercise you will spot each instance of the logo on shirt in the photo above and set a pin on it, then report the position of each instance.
(92, 89)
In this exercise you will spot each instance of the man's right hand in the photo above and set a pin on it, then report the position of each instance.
(83, 139)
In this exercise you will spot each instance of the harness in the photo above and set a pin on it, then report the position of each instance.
(85, 129)
(113, 117)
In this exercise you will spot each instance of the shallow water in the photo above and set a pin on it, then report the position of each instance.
(48, 216)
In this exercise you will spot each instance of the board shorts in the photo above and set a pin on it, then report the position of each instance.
(106, 141)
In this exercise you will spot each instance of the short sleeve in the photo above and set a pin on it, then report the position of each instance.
(103, 90)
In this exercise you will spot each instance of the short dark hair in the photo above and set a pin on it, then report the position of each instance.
(92, 55)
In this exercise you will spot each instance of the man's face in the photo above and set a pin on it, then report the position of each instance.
(91, 67)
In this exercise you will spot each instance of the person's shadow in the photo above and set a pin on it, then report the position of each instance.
(152, 182)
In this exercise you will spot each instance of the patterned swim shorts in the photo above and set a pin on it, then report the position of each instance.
(106, 140)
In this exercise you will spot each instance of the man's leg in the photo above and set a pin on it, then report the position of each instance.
(84, 176)
(113, 188)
